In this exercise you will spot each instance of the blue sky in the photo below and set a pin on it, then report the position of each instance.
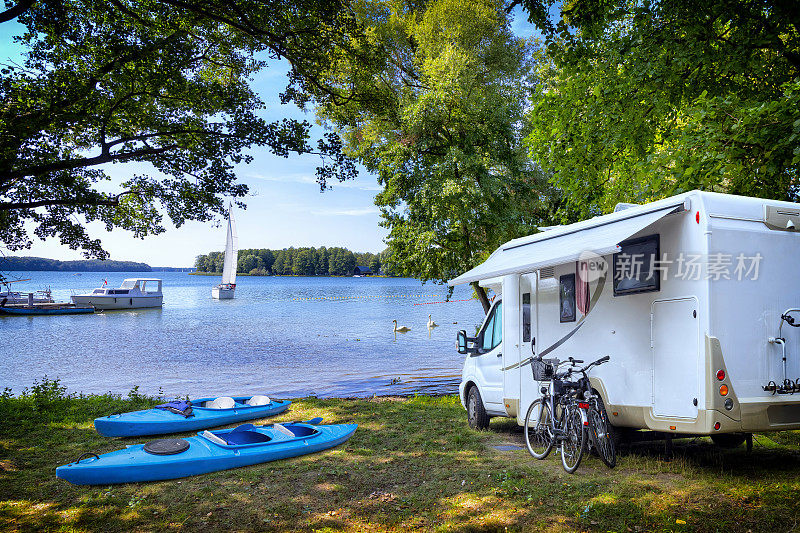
(284, 207)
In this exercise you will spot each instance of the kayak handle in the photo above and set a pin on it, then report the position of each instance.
(85, 455)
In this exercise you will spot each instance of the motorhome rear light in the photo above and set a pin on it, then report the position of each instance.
(728, 404)
(697, 217)
(717, 425)
(673, 428)
(583, 405)
(615, 413)
(723, 390)
(586, 423)
(720, 374)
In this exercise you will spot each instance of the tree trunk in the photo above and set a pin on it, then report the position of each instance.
(481, 293)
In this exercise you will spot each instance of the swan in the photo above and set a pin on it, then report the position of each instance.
(401, 329)
(431, 323)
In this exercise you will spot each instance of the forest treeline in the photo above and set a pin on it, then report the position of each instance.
(321, 261)
(33, 264)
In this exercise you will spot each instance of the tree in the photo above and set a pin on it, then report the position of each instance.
(375, 265)
(303, 262)
(642, 100)
(438, 116)
(161, 82)
(249, 262)
(200, 263)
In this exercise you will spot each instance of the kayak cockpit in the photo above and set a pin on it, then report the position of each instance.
(250, 435)
(238, 438)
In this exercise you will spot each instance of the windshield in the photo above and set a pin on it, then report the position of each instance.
(128, 284)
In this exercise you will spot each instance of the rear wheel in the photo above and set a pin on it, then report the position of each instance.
(538, 431)
(476, 414)
(574, 439)
(599, 429)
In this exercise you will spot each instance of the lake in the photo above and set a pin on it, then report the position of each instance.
(280, 336)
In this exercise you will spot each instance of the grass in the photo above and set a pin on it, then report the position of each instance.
(412, 464)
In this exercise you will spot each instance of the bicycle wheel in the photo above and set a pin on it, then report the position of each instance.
(539, 429)
(574, 439)
(601, 437)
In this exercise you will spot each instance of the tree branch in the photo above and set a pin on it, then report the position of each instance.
(13, 12)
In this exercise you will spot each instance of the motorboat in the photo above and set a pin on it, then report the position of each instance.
(134, 293)
(227, 289)
(17, 297)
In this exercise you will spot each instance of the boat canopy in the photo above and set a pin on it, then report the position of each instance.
(562, 244)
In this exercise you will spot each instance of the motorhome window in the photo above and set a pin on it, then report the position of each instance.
(526, 317)
(493, 331)
(566, 289)
(634, 270)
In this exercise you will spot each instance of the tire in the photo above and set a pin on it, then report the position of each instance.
(602, 439)
(476, 414)
(729, 440)
(574, 440)
(538, 432)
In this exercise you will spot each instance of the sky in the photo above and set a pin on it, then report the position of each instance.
(284, 206)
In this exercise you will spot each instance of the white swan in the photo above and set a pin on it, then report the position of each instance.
(401, 329)
(431, 323)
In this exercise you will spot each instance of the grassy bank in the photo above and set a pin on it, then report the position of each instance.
(412, 464)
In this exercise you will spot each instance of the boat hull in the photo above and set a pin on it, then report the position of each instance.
(119, 302)
(219, 293)
(160, 421)
(133, 464)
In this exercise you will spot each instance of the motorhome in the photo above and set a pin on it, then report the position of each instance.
(693, 297)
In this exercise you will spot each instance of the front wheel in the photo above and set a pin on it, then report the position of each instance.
(538, 429)
(573, 444)
(476, 414)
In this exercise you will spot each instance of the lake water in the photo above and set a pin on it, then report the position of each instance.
(280, 336)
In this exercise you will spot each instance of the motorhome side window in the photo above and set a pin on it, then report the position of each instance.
(634, 266)
(526, 317)
(566, 289)
(493, 332)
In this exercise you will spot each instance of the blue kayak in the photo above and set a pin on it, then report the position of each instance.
(208, 451)
(160, 421)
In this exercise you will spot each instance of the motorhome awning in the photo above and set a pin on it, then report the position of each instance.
(566, 243)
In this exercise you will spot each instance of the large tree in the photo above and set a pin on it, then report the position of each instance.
(161, 83)
(437, 114)
(645, 99)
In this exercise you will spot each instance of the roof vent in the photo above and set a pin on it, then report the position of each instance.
(622, 206)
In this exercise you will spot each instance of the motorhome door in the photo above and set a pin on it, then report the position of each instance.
(675, 341)
(488, 364)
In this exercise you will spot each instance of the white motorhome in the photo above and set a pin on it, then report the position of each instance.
(692, 297)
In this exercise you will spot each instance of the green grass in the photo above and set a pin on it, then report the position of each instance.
(412, 464)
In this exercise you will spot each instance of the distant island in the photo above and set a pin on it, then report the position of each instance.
(32, 264)
(321, 261)
(88, 265)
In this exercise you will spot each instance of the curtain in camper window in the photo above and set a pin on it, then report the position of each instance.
(526, 317)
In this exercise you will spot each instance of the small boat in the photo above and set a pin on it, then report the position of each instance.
(134, 293)
(17, 297)
(227, 289)
(209, 451)
(45, 309)
(205, 413)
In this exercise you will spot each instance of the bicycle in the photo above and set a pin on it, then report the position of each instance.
(558, 419)
(599, 426)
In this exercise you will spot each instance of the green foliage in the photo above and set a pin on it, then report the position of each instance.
(30, 264)
(294, 261)
(639, 100)
(438, 115)
(155, 82)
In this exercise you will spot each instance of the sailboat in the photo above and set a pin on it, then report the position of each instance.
(226, 289)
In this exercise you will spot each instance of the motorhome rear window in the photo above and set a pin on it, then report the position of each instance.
(634, 266)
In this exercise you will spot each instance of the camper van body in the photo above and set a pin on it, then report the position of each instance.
(674, 348)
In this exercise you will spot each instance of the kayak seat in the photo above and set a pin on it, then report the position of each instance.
(246, 437)
(223, 402)
(301, 431)
(255, 401)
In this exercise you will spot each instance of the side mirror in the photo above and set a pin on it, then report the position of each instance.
(461, 342)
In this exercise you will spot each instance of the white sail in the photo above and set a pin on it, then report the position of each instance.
(231, 252)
